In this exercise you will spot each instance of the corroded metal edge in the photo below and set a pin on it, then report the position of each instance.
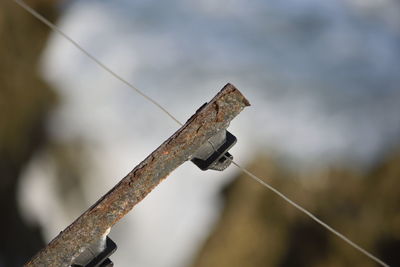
(93, 223)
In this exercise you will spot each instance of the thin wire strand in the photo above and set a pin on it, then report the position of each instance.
(98, 62)
(107, 69)
(309, 214)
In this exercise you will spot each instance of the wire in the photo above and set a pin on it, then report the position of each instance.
(309, 214)
(98, 62)
(107, 69)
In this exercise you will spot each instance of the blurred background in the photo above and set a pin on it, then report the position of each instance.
(323, 79)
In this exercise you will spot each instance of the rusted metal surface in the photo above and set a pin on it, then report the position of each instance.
(94, 222)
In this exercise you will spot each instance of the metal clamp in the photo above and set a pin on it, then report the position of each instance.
(96, 255)
(214, 155)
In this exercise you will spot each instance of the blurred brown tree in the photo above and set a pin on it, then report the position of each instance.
(259, 229)
(25, 101)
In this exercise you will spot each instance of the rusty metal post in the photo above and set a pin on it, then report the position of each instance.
(98, 219)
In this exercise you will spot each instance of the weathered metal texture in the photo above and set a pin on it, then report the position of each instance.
(94, 222)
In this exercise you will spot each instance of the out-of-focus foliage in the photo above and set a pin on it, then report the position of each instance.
(259, 229)
(25, 100)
